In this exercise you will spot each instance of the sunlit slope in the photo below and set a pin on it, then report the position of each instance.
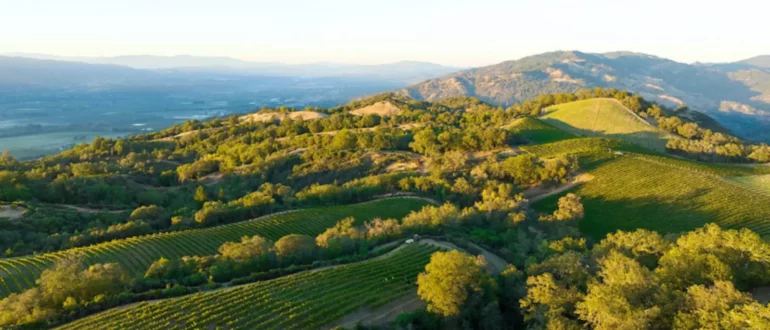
(606, 118)
(658, 193)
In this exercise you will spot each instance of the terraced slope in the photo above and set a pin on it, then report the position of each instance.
(136, 254)
(606, 118)
(632, 191)
(307, 300)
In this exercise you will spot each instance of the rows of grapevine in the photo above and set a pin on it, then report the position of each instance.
(137, 253)
(636, 192)
(760, 183)
(307, 300)
(709, 168)
(573, 146)
(536, 131)
(606, 118)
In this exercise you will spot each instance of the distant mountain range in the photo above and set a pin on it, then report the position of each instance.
(736, 94)
(402, 72)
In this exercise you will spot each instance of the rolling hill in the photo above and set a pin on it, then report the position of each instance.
(737, 94)
(606, 118)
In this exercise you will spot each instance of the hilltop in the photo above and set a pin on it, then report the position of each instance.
(606, 118)
(738, 95)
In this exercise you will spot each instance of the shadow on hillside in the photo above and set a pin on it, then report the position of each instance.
(650, 140)
(604, 216)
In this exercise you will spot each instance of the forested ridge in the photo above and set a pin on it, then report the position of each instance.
(98, 203)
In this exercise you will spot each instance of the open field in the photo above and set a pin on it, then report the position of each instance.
(137, 253)
(30, 146)
(11, 212)
(294, 115)
(383, 109)
(308, 300)
(631, 192)
(606, 118)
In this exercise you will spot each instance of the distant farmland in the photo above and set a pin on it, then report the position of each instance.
(31, 146)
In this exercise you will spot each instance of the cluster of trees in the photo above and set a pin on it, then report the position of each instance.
(257, 254)
(63, 289)
(640, 280)
(437, 140)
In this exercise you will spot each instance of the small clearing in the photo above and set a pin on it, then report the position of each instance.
(11, 212)
(212, 179)
(271, 116)
(537, 193)
(383, 108)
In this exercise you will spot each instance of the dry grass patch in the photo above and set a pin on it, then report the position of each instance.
(11, 211)
(294, 115)
(383, 109)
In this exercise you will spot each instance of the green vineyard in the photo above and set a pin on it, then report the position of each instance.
(307, 300)
(574, 146)
(137, 253)
(536, 131)
(665, 195)
(606, 118)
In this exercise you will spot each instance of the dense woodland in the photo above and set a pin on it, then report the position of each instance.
(205, 174)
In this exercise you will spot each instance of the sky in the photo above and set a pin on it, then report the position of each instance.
(459, 33)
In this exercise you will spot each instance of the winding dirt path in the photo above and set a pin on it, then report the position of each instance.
(538, 193)
(90, 210)
(389, 312)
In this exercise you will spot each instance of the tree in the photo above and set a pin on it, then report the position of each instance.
(624, 298)
(302, 246)
(200, 195)
(642, 245)
(248, 249)
(570, 209)
(433, 216)
(449, 279)
(69, 279)
(721, 306)
(378, 228)
(150, 213)
(343, 233)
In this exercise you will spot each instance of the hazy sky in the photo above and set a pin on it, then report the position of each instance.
(466, 33)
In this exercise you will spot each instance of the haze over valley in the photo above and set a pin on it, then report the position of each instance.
(384, 165)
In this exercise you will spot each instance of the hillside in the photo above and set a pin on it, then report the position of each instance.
(294, 115)
(312, 299)
(735, 94)
(135, 255)
(606, 118)
(762, 61)
(340, 219)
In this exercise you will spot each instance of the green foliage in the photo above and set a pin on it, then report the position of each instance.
(308, 300)
(137, 254)
(449, 280)
(633, 192)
